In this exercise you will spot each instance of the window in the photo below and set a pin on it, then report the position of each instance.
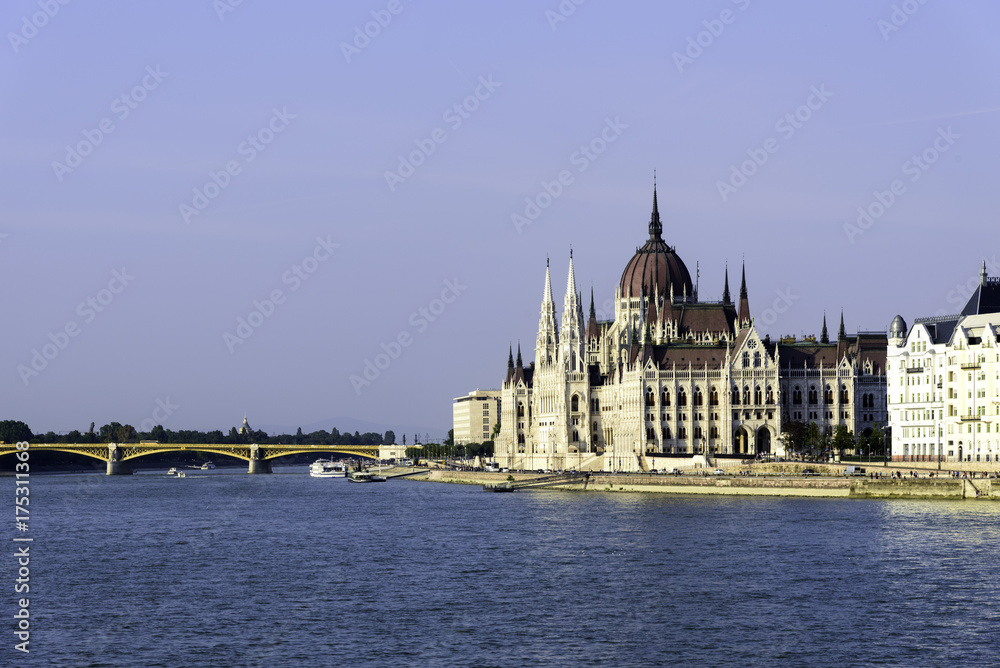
(575, 405)
(666, 397)
(682, 399)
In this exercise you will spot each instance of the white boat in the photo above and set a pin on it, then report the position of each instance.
(207, 466)
(325, 468)
(172, 471)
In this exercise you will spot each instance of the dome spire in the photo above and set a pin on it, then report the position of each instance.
(655, 227)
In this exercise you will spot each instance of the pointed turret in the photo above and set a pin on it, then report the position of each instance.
(824, 337)
(510, 365)
(744, 312)
(548, 334)
(726, 299)
(842, 334)
(519, 365)
(592, 329)
(571, 332)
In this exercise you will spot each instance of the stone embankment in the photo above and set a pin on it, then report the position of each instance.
(760, 483)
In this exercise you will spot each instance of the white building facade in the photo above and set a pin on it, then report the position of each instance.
(944, 382)
(474, 416)
(671, 376)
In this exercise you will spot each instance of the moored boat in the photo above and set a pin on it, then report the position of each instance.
(325, 468)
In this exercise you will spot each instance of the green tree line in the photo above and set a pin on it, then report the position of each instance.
(13, 431)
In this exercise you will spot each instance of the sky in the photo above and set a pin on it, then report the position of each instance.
(308, 211)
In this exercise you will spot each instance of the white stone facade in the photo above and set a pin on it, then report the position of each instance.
(672, 376)
(944, 383)
(474, 416)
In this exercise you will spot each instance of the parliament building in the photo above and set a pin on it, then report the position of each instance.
(672, 376)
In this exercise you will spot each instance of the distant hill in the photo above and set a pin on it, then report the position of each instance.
(348, 424)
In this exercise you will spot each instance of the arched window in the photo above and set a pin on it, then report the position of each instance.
(736, 396)
(844, 397)
(666, 433)
(757, 397)
(770, 395)
(828, 395)
(650, 434)
(682, 398)
(797, 395)
(666, 397)
(713, 398)
(681, 432)
(756, 360)
(714, 432)
(746, 394)
(574, 404)
(813, 395)
(650, 397)
(746, 360)
(520, 410)
(576, 435)
(697, 396)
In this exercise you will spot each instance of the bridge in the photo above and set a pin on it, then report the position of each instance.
(119, 455)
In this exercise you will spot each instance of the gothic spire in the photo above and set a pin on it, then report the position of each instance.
(520, 364)
(744, 312)
(842, 334)
(593, 313)
(824, 337)
(726, 299)
(510, 357)
(655, 226)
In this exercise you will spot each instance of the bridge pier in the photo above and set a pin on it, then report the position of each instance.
(115, 465)
(257, 463)
(260, 466)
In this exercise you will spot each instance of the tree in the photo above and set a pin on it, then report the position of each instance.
(158, 433)
(12, 431)
(451, 437)
(877, 440)
(389, 438)
(843, 439)
(794, 435)
(404, 439)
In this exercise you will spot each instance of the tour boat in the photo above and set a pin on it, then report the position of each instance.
(324, 468)
(207, 465)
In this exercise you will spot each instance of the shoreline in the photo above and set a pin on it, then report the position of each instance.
(753, 485)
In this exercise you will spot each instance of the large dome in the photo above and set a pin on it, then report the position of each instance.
(655, 267)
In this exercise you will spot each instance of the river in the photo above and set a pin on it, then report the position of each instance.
(227, 569)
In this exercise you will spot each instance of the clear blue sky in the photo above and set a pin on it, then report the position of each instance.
(308, 118)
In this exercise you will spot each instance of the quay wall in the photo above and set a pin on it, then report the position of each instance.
(773, 485)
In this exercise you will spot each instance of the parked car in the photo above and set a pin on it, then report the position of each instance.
(809, 472)
(673, 472)
(718, 472)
